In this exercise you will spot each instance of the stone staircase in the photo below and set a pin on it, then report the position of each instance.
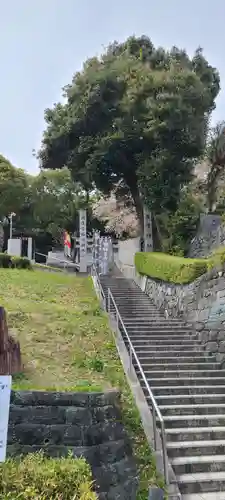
(189, 390)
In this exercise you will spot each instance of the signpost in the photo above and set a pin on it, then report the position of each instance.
(5, 391)
(148, 241)
(83, 240)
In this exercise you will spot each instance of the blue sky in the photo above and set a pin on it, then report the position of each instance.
(43, 42)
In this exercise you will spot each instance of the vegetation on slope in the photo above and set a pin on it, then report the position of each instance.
(37, 477)
(67, 345)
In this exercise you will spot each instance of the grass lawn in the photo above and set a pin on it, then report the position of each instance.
(67, 344)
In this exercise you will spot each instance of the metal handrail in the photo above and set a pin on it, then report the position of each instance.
(99, 286)
(155, 408)
(65, 263)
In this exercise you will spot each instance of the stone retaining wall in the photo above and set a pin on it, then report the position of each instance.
(88, 424)
(201, 302)
(210, 235)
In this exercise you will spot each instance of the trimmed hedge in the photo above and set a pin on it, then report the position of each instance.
(36, 477)
(7, 261)
(169, 268)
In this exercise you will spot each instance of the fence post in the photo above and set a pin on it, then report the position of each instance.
(130, 356)
(10, 356)
(109, 300)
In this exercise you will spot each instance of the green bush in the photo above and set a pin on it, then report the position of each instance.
(7, 261)
(36, 477)
(217, 259)
(169, 268)
(21, 263)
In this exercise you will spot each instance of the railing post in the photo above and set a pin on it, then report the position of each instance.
(154, 428)
(165, 460)
(108, 300)
(117, 320)
(130, 358)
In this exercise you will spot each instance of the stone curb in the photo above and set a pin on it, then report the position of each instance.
(156, 494)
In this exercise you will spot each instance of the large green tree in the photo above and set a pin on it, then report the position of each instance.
(55, 199)
(134, 121)
(14, 185)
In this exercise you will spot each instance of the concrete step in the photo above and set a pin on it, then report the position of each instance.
(159, 326)
(190, 399)
(137, 305)
(184, 376)
(186, 381)
(134, 300)
(153, 330)
(159, 323)
(216, 495)
(161, 334)
(196, 448)
(171, 354)
(189, 390)
(199, 420)
(151, 317)
(116, 292)
(193, 465)
(201, 482)
(208, 433)
(133, 309)
(171, 321)
(162, 339)
(155, 343)
(194, 409)
(178, 364)
(152, 347)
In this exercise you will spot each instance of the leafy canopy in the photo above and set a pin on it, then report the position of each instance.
(135, 118)
(13, 188)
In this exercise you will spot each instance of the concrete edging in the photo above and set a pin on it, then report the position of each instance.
(156, 494)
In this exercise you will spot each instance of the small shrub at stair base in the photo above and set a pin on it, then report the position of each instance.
(169, 268)
(37, 477)
(217, 259)
(9, 261)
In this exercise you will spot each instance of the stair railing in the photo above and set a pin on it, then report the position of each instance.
(98, 286)
(111, 304)
(65, 263)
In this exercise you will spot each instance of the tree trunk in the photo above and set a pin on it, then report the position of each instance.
(1, 237)
(139, 209)
(156, 234)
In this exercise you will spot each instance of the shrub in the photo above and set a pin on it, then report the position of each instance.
(217, 259)
(7, 261)
(21, 263)
(36, 477)
(169, 268)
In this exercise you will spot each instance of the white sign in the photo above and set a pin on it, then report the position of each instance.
(14, 247)
(83, 240)
(148, 231)
(5, 391)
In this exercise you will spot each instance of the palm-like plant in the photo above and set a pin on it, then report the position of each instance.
(216, 158)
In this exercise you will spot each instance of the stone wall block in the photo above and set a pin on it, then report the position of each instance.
(221, 346)
(211, 347)
(221, 335)
(88, 424)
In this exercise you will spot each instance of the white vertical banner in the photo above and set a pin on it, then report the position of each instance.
(148, 239)
(83, 240)
(5, 391)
